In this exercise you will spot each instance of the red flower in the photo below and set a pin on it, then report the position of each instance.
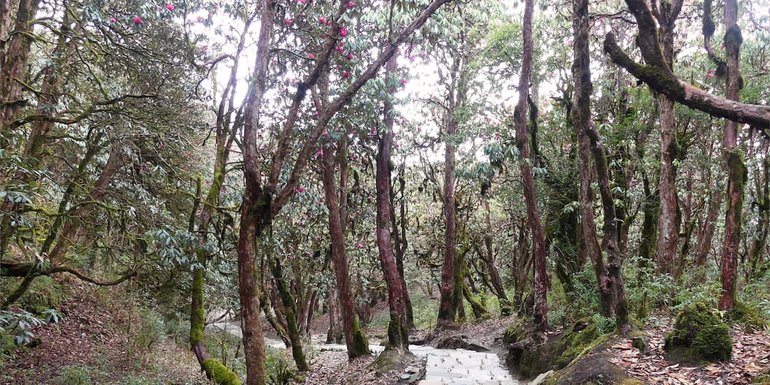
(113, 19)
(340, 48)
(311, 56)
(137, 20)
(345, 74)
(322, 20)
(288, 21)
(349, 57)
(300, 189)
(403, 82)
(170, 7)
(351, 4)
(343, 32)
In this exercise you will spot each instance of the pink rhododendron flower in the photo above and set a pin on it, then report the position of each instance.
(320, 153)
(360, 245)
(710, 74)
(113, 19)
(343, 32)
(325, 133)
(345, 74)
(170, 7)
(311, 56)
(288, 21)
(349, 57)
(351, 4)
(138, 20)
(403, 82)
(201, 19)
(322, 20)
(300, 189)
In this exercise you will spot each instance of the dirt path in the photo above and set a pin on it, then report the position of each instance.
(443, 366)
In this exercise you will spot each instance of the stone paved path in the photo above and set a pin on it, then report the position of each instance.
(443, 367)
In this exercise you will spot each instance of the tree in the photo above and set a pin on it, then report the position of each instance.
(520, 117)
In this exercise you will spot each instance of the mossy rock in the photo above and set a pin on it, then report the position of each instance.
(699, 335)
(746, 315)
(592, 369)
(529, 357)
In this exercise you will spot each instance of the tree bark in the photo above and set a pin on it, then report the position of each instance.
(255, 209)
(736, 170)
(520, 116)
(668, 219)
(355, 339)
(398, 333)
(447, 311)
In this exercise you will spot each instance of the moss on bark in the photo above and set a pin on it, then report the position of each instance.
(219, 373)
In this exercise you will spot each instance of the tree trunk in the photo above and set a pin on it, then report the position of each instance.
(610, 240)
(736, 170)
(255, 210)
(400, 242)
(398, 334)
(488, 256)
(354, 338)
(520, 115)
(668, 219)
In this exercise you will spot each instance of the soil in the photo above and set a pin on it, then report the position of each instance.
(92, 337)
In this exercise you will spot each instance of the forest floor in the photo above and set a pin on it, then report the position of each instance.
(94, 344)
(750, 357)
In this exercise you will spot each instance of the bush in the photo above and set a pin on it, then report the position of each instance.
(44, 293)
(146, 331)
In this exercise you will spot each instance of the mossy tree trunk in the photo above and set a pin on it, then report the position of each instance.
(290, 309)
(615, 289)
(668, 218)
(736, 170)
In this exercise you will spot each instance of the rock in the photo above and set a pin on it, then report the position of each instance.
(541, 378)
(459, 342)
(529, 356)
(699, 335)
(593, 368)
(642, 343)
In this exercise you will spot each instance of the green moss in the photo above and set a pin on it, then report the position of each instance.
(197, 314)
(44, 293)
(746, 315)
(515, 332)
(360, 345)
(699, 335)
(578, 343)
(219, 373)
(763, 379)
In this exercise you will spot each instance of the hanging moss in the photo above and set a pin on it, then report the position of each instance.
(699, 335)
(219, 373)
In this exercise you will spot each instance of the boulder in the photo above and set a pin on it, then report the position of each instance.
(699, 335)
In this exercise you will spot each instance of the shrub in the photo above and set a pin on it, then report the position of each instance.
(74, 375)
